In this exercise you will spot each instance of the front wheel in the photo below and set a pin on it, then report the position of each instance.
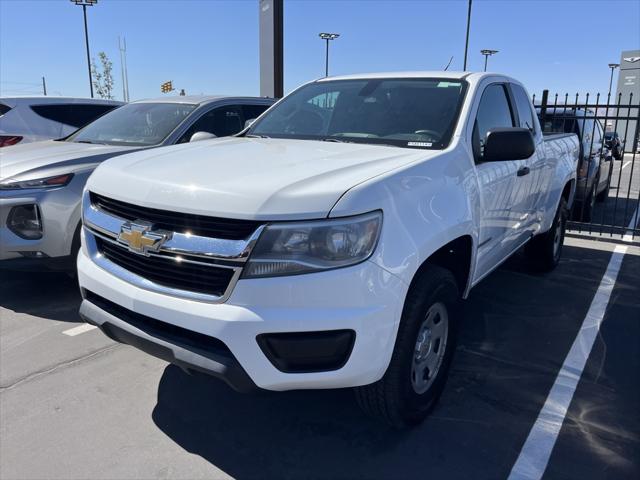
(544, 251)
(422, 354)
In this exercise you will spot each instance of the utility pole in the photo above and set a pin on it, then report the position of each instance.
(44, 87)
(327, 37)
(466, 44)
(122, 45)
(85, 4)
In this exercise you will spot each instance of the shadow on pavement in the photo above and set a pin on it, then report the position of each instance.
(517, 330)
(601, 433)
(50, 295)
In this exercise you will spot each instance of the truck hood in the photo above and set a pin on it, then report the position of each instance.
(248, 178)
(28, 160)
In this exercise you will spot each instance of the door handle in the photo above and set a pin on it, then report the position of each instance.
(523, 171)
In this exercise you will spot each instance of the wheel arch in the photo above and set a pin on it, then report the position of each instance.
(568, 192)
(455, 256)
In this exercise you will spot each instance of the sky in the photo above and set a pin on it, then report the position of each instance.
(211, 46)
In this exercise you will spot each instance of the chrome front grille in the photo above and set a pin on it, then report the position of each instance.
(182, 263)
(167, 271)
(201, 225)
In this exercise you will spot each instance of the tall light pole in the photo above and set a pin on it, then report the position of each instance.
(487, 53)
(122, 45)
(466, 43)
(327, 37)
(612, 66)
(85, 4)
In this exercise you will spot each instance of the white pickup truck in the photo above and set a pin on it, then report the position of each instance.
(329, 244)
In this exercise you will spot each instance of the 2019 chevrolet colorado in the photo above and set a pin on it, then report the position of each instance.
(330, 244)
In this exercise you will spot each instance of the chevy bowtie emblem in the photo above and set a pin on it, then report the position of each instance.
(631, 59)
(139, 237)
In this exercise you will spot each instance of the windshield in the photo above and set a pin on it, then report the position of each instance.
(136, 124)
(413, 113)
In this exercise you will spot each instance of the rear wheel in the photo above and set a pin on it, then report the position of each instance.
(544, 251)
(604, 194)
(589, 203)
(422, 354)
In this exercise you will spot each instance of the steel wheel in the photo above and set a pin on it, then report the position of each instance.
(430, 348)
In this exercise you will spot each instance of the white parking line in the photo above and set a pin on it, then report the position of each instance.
(535, 453)
(72, 332)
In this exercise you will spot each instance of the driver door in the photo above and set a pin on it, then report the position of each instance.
(498, 183)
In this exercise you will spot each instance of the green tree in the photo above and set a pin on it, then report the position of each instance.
(102, 79)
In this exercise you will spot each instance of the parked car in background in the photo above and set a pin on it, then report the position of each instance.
(32, 119)
(329, 245)
(614, 144)
(595, 165)
(41, 183)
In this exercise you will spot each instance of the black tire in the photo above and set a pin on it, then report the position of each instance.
(544, 250)
(394, 398)
(72, 270)
(589, 204)
(604, 194)
(619, 154)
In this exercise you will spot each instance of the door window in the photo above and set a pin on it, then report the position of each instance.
(525, 112)
(251, 112)
(494, 111)
(597, 134)
(74, 114)
(221, 121)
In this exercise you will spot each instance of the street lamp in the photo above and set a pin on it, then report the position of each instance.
(466, 43)
(612, 66)
(487, 53)
(85, 4)
(327, 37)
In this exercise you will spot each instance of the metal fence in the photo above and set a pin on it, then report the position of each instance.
(608, 190)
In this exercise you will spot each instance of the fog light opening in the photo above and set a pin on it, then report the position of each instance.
(25, 221)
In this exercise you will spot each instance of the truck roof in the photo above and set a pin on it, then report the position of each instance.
(410, 74)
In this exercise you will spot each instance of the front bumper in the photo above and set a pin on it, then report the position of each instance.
(60, 215)
(364, 299)
(118, 324)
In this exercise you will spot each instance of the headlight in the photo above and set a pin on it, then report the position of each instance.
(305, 247)
(48, 182)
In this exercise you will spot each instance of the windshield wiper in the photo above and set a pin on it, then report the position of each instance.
(90, 142)
(257, 136)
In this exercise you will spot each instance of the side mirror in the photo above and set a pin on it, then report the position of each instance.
(196, 137)
(508, 144)
(248, 123)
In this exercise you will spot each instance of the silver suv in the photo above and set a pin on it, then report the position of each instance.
(33, 119)
(41, 183)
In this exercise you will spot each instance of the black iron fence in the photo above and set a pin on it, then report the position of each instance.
(607, 197)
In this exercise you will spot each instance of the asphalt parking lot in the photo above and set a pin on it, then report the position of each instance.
(73, 404)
